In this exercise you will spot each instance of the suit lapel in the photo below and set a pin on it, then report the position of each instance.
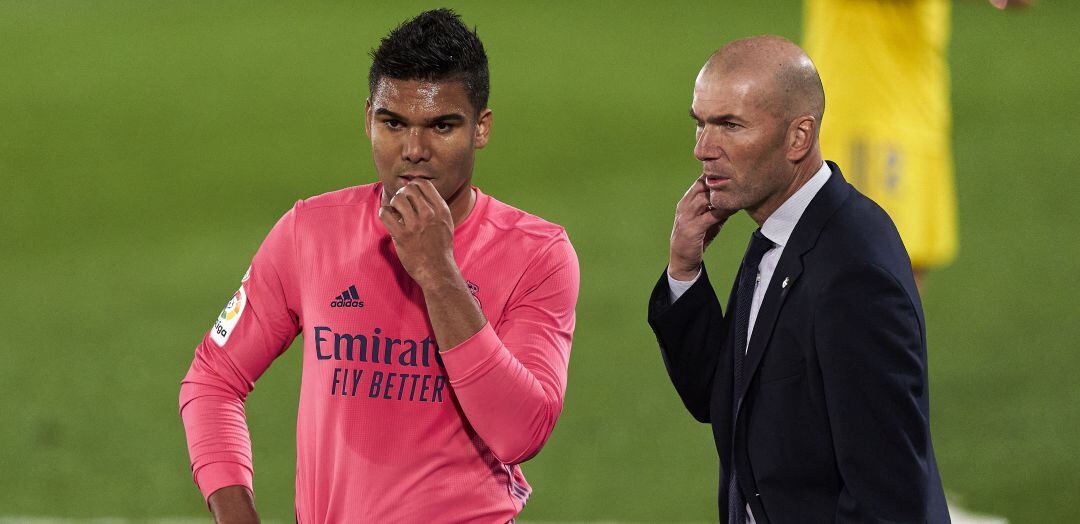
(790, 267)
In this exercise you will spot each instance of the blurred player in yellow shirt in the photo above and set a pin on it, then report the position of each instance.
(884, 67)
(885, 70)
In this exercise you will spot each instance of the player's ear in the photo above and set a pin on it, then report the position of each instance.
(367, 118)
(483, 128)
(801, 135)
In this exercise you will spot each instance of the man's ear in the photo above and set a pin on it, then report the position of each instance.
(367, 118)
(801, 136)
(483, 129)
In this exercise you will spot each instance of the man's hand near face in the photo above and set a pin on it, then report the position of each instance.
(696, 225)
(422, 229)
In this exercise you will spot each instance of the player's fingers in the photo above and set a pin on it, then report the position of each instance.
(698, 224)
(420, 200)
(716, 216)
(402, 203)
(697, 192)
(695, 225)
(407, 195)
(697, 187)
(438, 205)
(696, 204)
(391, 219)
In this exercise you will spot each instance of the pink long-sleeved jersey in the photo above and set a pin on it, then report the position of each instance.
(390, 429)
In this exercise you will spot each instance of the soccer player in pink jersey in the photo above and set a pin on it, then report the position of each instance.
(436, 320)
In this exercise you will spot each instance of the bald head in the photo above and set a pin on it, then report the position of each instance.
(789, 82)
(757, 104)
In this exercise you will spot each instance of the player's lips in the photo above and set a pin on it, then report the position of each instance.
(409, 177)
(715, 181)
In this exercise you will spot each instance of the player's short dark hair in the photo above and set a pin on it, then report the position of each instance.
(434, 46)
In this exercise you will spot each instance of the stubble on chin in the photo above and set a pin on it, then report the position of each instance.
(723, 200)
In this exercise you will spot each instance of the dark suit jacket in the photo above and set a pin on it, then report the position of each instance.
(834, 421)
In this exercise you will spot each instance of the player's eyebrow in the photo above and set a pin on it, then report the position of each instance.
(715, 120)
(388, 113)
(452, 118)
(449, 118)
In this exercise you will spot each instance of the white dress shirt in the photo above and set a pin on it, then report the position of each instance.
(777, 228)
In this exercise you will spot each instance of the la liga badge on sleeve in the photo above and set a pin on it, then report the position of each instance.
(228, 317)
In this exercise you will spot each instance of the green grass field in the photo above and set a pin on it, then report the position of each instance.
(147, 147)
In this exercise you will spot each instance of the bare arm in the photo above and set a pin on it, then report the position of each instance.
(233, 505)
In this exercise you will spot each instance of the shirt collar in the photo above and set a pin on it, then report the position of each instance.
(781, 223)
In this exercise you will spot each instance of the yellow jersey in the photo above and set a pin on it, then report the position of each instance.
(887, 116)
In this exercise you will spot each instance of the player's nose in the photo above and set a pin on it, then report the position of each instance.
(416, 148)
(707, 146)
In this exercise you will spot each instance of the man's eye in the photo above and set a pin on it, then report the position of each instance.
(730, 125)
(443, 127)
(392, 124)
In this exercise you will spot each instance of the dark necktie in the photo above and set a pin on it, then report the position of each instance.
(744, 296)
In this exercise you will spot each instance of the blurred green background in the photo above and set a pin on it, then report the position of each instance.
(147, 147)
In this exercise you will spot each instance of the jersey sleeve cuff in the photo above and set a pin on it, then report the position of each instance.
(471, 357)
(217, 475)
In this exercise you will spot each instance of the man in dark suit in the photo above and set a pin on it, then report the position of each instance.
(814, 380)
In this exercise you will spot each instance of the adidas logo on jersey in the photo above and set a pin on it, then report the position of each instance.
(347, 298)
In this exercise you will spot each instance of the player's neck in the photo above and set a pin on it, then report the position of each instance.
(801, 173)
(461, 203)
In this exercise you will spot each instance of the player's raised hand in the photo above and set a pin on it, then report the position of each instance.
(422, 228)
(696, 225)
